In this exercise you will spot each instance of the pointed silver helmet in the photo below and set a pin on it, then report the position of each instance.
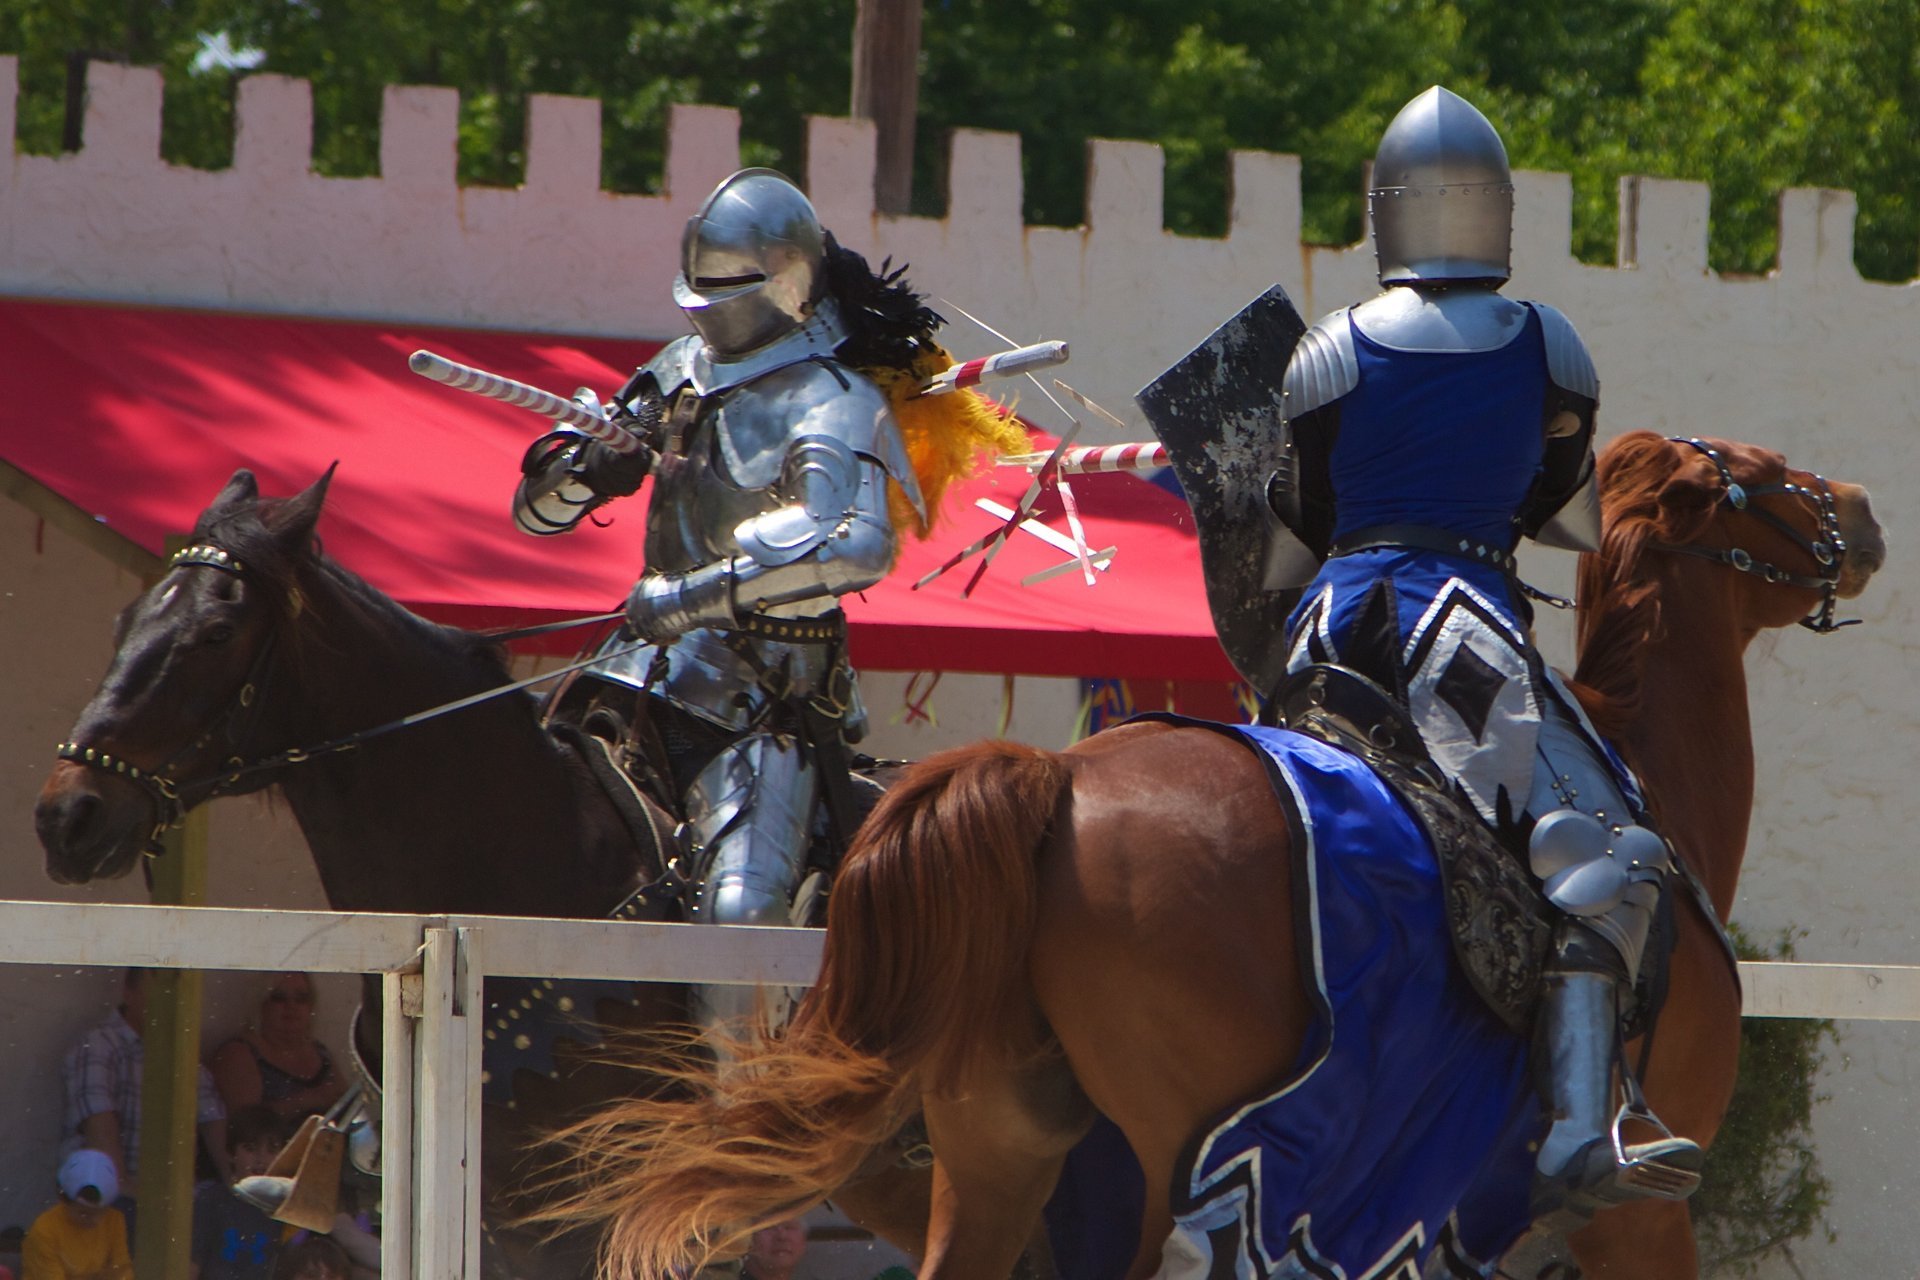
(750, 262)
(1442, 194)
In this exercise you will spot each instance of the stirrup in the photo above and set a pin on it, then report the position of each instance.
(1608, 1171)
(1666, 1168)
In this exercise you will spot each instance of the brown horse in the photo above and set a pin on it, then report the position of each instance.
(1020, 937)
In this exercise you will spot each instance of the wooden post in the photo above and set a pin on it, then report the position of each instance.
(170, 1054)
(170, 1070)
(446, 1160)
(886, 90)
(401, 995)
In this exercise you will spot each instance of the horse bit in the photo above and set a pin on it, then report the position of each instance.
(1827, 548)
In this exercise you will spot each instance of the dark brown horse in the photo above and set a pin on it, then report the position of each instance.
(1020, 936)
(255, 643)
(480, 811)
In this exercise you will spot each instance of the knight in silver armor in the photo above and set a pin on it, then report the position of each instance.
(1430, 428)
(770, 459)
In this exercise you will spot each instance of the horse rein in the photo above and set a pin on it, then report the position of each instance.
(165, 790)
(1827, 548)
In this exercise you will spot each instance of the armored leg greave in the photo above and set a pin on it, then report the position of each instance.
(1607, 873)
(1584, 1163)
(751, 810)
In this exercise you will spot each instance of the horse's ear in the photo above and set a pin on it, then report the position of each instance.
(294, 521)
(1694, 482)
(241, 490)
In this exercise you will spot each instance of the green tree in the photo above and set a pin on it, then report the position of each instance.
(1755, 95)
(1319, 79)
(776, 60)
(1749, 96)
(56, 41)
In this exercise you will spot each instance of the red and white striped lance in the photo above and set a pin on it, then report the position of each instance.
(1006, 364)
(1096, 458)
(463, 377)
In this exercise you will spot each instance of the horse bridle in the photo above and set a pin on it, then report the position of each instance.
(1826, 548)
(165, 791)
(160, 786)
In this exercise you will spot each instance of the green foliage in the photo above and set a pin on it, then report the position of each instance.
(1750, 96)
(55, 41)
(1278, 75)
(1763, 1189)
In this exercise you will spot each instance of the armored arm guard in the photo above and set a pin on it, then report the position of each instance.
(1564, 509)
(1322, 371)
(828, 531)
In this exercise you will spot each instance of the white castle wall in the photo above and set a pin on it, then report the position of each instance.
(1808, 358)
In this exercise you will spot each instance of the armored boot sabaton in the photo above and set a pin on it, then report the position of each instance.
(1608, 882)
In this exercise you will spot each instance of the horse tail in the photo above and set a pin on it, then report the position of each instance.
(932, 914)
(922, 980)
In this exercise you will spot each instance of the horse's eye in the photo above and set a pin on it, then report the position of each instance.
(219, 633)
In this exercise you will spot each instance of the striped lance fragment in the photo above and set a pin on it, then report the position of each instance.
(464, 377)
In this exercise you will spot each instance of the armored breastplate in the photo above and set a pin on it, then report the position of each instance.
(697, 500)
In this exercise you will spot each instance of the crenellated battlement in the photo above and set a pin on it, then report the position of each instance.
(113, 221)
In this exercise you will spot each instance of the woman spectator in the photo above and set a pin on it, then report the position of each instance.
(278, 1063)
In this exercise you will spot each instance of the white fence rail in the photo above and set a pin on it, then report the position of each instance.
(433, 967)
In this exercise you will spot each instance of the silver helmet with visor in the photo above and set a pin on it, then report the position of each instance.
(750, 262)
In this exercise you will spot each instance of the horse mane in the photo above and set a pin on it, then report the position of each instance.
(1651, 491)
(302, 572)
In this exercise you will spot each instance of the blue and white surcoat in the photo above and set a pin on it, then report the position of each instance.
(1447, 439)
(1429, 435)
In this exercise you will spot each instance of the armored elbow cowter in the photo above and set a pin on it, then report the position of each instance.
(800, 462)
(836, 536)
(835, 539)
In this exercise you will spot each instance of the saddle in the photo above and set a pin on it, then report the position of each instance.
(1501, 925)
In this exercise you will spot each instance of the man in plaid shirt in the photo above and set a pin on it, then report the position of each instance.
(103, 1091)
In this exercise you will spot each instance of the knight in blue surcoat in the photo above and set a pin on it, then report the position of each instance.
(1430, 429)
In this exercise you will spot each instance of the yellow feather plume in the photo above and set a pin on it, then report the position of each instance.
(949, 437)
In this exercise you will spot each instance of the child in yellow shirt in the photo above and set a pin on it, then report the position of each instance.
(82, 1237)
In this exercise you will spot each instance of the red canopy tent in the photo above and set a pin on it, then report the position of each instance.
(137, 416)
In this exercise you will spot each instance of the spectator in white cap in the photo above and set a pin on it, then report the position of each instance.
(103, 1075)
(83, 1237)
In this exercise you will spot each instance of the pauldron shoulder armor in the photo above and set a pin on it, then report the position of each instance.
(760, 424)
(1565, 511)
(1569, 364)
(670, 369)
(1324, 366)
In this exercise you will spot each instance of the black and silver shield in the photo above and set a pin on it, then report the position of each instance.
(1218, 411)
